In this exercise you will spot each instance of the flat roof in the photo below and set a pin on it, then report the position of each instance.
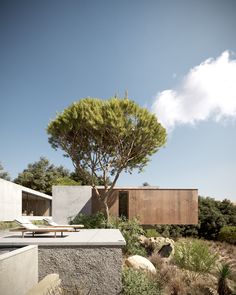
(83, 237)
(133, 187)
(147, 188)
(26, 189)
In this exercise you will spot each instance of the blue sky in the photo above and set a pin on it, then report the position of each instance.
(55, 52)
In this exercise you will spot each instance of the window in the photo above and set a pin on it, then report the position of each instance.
(124, 204)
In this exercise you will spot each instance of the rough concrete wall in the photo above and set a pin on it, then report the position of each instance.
(89, 268)
(68, 201)
(18, 270)
(10, 200)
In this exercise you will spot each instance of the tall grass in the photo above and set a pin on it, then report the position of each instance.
(195, 256)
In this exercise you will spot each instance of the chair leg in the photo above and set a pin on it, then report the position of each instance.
(23, 234)
(62, 234)
(55, 234)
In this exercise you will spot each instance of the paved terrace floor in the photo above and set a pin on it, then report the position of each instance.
(83, 237)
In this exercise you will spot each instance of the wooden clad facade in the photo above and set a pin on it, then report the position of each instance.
(153, 205)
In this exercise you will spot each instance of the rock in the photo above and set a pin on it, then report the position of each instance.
(162, 246)
(165, 251)
(142, 240)
(141, 263)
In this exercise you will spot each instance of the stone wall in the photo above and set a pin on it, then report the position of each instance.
(95, 269)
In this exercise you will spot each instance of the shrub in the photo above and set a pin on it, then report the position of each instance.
(138, 283)
(97, 220)
(131, 230)
(228, 234)
(213, 215)
(4, 225)
(223, 274)
(177, 231)
(194, 255)
(151, 232)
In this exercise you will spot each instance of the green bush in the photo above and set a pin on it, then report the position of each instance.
(228, 234)
(4, 225)
(139, 283)
(213, 215)
(152, 233)
(97, 220)
(131, 230)
(194, 255)
(177, 231)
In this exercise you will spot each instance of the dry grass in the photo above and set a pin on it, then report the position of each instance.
(176, 281)
(227, 254)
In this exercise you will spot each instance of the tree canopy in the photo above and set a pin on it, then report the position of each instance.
(3, 173)
(106, 137)
(41, 175)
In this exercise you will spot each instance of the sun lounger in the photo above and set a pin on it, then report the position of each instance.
(56, 225)
(28, 226)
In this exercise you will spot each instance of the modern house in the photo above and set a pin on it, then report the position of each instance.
(152, 205)
(17, 200)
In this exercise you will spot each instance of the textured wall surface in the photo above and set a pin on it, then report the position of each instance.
(18, 270)
(97, 269)
(156, 206)
(68, 201)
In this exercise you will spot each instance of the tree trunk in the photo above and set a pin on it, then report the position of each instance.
(107, 213)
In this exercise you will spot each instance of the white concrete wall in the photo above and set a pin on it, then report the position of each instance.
(68, 201)
(11, 199)
(18, 270)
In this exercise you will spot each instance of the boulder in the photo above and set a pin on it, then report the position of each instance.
(140, 263)
(163, 246)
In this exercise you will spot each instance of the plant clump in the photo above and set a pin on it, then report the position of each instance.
(194, 256)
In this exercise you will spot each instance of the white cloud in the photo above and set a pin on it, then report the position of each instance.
(208, 91)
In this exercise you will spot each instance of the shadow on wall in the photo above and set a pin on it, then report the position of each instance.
(85, 210)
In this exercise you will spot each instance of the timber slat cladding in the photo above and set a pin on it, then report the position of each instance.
(156, 206)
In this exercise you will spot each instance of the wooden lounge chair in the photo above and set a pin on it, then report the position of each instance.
(56, 225)
(28, 226)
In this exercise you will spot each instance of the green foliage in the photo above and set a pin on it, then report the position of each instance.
(131, 230)
(213, 215)
(223, 274)
(84, 178)
(7, 225)
(41, 175)
(228, 234)
(194, 255)
(105, 137)
(65, 181)
(97, 220)
(3, 173)
(139, 283)
(151, 232)
(177, 231)
(4, 225)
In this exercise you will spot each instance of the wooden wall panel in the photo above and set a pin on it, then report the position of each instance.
(157, 206)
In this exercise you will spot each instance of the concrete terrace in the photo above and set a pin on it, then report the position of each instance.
(84, 237)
